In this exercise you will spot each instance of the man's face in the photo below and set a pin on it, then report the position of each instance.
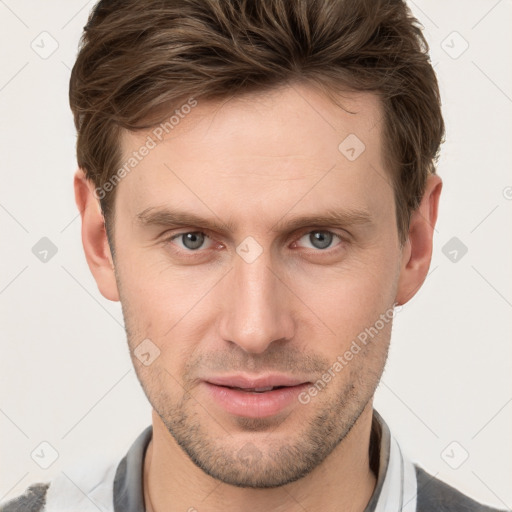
(262, 297)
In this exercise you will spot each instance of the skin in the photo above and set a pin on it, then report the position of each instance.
(255, 160)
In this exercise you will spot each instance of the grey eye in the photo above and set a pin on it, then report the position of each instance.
(320, 239)
(193, 240)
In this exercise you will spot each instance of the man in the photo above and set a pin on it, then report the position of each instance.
(257, 187)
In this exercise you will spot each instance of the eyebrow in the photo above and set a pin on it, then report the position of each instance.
(167, 217)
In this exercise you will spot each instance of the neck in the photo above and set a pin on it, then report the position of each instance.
(344, 481)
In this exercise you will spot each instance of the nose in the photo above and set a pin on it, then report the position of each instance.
(256, 306)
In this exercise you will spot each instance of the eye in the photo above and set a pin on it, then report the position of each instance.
(320, 239)
(191, 240)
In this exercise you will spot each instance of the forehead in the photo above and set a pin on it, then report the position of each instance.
(287, 148)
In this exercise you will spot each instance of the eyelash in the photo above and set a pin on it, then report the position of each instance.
(198, 252)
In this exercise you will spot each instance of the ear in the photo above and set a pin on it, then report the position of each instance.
(94, 237)
(417, 250)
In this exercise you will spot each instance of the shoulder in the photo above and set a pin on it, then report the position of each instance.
(32, 500)
(82, 486)
(88, 484)
(435, 495)
(85, 486)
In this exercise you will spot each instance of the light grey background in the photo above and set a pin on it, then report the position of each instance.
(66, 376)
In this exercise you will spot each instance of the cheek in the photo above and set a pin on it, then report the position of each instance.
(169, 306)
(354, 294)
(156, 290)
(349, 303)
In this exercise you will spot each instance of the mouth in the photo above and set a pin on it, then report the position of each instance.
(255, 397)
(257, 390)
(259, 383)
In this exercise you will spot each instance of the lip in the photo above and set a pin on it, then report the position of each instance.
(261, 381)
(252, 404)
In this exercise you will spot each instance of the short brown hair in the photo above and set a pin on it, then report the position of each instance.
(139, 59)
